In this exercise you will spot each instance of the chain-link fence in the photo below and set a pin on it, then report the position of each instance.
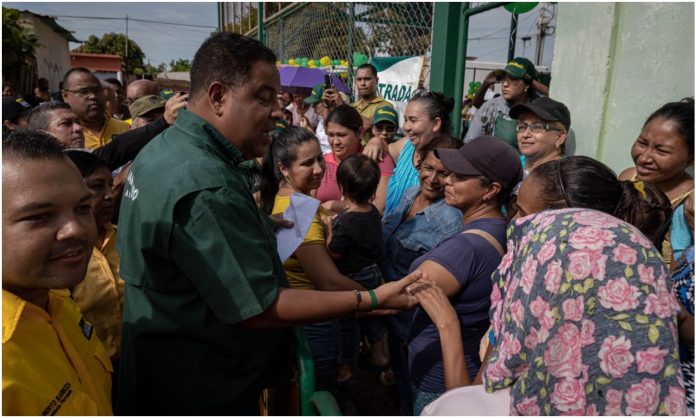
(338, 34)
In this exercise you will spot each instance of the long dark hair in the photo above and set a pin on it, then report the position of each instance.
(583, 182)
(346, 116)
(283, 151)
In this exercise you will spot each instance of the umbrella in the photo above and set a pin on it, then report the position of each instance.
(303, 79)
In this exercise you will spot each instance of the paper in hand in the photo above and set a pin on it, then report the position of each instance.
(301, 211)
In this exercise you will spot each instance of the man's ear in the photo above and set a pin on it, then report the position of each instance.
(9, 125)
(216, 96)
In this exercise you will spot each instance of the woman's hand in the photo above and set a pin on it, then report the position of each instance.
(434, 301)
(374, 149)
(304, 122)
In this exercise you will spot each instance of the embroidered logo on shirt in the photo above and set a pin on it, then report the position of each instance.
(86, 328)
(130, 191)
(57, 402)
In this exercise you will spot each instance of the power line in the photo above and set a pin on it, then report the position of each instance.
(172, 35)
(133, 19)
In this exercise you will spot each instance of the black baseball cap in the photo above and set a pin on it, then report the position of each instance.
(546, 109)
(13, 107)
(484, 156)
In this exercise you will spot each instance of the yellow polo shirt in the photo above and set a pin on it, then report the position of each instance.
(297, 277)
(367, 110)
(112, 127)
(52, 362)
(100, 294)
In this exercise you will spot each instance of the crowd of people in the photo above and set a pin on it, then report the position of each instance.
(491, 274)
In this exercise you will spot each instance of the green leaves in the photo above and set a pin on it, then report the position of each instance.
(115, 43)
(653, 334)
(641, 319)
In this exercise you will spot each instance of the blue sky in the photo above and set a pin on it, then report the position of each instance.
(163, 43)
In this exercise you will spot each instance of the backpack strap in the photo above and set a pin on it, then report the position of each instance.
(488, 237)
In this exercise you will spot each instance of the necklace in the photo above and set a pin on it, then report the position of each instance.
(680, 197)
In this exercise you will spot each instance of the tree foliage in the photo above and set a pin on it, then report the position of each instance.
(180, 65)
(115, 43)
(17, 40)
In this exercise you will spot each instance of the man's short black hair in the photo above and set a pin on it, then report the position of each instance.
(72, 71)
(40, 117)
(358, 177)
(370, 67)
(228, 58)
(30, 145)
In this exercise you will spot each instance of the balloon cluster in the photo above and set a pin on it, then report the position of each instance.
(473, 87)
(325, 61)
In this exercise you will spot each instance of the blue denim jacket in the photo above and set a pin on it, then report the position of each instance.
(406, 240)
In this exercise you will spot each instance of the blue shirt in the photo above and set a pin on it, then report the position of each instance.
(405, 176)
(471, 260)
(407, 239)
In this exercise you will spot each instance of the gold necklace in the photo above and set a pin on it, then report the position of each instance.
(680, 197)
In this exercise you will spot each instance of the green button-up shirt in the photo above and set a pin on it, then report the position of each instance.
(198, 258)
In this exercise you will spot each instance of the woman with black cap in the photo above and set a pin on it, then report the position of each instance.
(542, 130)
(483, 173)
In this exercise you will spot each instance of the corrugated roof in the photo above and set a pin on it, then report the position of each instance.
(50, 22)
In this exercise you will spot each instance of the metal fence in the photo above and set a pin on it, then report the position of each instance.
(344, 35)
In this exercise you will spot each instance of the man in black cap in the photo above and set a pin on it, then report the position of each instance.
(14, 113)
(542, 130)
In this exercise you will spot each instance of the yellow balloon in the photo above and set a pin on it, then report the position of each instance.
(325, 60)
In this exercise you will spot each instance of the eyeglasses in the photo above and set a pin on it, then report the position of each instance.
(387, 129)
(87, 91)
(536, 128)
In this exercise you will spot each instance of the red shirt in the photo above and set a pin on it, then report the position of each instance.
(329, 184)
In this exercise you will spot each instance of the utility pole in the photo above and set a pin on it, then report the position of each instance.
(125, 80)
(541, 24)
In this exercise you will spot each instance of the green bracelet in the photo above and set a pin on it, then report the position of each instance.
(374, 299)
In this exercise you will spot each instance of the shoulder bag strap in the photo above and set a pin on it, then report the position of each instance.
(488, 237)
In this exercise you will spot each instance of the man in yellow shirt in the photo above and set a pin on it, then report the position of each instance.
(52, 361)
(366, 81)
(85, 95)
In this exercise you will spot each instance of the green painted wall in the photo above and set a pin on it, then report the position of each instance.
(614, 64)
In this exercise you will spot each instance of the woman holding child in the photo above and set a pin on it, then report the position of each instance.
(294, 164)
(344, 128)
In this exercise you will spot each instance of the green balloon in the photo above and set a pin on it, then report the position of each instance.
(520, 8)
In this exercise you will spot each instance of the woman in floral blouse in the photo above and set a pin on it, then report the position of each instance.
(584, 320)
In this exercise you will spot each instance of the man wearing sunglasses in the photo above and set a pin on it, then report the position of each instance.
(85, 95)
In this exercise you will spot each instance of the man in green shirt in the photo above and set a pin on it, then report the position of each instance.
(203, 280)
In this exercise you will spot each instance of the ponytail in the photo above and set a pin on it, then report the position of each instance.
(282, 150)
(646, 207)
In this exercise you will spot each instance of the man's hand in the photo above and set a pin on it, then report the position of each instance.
(331, 98)
(374, 149)
(172, 106)
(393, 295)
